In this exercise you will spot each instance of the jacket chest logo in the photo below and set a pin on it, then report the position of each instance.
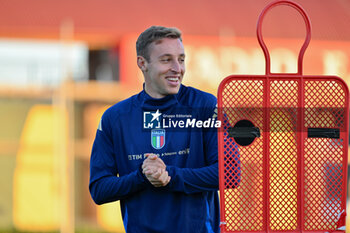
(157, 138)
(152, 120)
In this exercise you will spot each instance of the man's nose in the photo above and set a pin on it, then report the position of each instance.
(176, 67)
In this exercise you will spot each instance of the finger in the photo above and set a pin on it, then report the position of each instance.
(152, 166)
(148, 163)
(151, 160)
(152, 156)
(157, 162)
(160, 184)
(156, 174)
(154, 163)
(145, 167)
(160, 161)
(150, 172)
(167, 181)
(163, 178)
(150, 178)
(158, 177)
(157, 184)
(154, 182)
(146, 172)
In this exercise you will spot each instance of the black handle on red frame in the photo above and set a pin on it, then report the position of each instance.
(263, 45)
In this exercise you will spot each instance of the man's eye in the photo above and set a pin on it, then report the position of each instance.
(165, 59)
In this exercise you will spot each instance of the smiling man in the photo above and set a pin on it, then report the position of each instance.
(165, 177)
(162, 63)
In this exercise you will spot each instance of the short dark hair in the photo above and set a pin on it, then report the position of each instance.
(152, 34)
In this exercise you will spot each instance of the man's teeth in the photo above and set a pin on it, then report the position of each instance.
(173, 79)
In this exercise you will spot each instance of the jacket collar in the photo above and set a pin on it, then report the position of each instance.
(150, 103)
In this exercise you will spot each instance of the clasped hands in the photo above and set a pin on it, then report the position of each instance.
(154, 170)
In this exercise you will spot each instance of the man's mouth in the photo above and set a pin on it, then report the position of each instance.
(173, 80)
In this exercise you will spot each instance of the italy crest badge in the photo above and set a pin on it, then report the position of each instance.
(158, 138)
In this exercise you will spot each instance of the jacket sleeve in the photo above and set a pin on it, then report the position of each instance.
(105, 184)
(194, 180)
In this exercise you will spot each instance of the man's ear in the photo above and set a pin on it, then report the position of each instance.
(142, 63)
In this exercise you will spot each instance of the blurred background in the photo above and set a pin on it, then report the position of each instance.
(63, 62)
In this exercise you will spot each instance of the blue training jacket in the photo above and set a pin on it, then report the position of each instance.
(180, 130)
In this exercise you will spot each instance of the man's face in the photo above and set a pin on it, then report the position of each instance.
(165, 69)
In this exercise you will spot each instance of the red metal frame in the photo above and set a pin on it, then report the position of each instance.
(285, 180)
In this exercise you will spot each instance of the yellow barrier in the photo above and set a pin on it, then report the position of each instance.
(36, 189)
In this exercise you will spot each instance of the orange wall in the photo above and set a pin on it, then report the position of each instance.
(210, 59)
